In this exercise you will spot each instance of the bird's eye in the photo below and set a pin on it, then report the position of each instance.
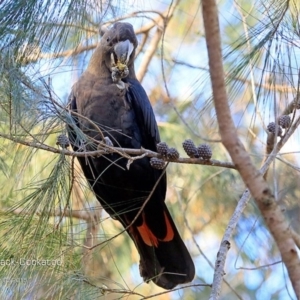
(108, 39)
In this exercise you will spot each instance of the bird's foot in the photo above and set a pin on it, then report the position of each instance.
(121, 85)
(106, 142)
(118, 70)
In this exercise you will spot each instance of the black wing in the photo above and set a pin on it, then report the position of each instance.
(138, 98)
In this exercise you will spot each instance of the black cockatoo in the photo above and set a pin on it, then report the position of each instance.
(109, 95)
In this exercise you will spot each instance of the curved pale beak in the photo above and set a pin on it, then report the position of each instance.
(123, 51)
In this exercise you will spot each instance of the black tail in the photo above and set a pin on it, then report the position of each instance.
(165, 260)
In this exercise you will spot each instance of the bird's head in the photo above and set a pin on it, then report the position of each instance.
(118, 44)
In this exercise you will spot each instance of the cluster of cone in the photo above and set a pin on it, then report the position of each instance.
(284, 122)
(203, 151)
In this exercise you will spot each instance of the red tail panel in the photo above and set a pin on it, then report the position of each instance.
(149, 238)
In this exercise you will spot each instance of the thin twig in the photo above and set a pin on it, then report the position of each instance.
(206, 258)
(274, 87)
(84, 215)
(176, 289)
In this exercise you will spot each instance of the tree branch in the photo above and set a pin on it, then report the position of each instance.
(151, 49)
(242, 205)
(33, 56)
(252, 178)
(160, 28)
(121, 151)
